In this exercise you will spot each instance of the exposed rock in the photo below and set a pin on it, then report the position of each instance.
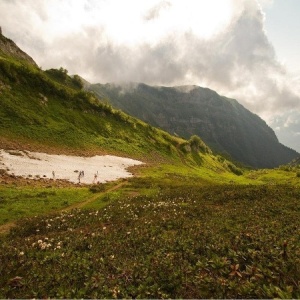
(10, 48)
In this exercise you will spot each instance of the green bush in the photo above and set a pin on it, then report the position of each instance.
(198, 145)
(235, 169)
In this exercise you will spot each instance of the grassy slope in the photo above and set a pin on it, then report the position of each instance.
(46, 110)
(38, 109)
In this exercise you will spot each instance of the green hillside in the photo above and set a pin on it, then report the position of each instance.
(49, 110)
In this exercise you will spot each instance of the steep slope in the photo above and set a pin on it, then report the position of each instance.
(224, 124)
(48, 110)
(38, 110)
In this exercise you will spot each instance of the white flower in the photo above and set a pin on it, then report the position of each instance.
(21, 253)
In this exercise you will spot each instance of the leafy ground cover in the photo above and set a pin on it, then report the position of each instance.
(189, 241)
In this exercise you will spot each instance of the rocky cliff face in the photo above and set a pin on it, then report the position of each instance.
(9, 48)
(222, 123)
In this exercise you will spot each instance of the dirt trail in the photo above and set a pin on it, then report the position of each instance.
(93, 198)
(5, 228)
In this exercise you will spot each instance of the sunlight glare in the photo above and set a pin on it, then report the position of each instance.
(134, 21)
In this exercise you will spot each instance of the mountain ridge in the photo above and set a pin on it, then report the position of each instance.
(223, 123)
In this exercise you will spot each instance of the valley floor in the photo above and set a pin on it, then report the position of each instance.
(192, 241)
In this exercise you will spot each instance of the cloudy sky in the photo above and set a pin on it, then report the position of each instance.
(244, 49)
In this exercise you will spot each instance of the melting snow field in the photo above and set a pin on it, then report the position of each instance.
(95, 169)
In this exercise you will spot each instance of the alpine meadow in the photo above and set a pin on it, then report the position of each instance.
(209, 207)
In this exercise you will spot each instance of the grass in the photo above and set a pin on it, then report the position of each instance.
(20, 202)
(274, 176)
(198, 241)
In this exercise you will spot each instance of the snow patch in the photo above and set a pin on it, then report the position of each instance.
(41, 165)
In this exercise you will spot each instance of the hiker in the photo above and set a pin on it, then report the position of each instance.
(95, 177)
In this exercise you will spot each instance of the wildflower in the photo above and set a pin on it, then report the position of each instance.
(235, 270)
(21, 253)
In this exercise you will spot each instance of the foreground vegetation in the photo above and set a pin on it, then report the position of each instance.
(190, 241)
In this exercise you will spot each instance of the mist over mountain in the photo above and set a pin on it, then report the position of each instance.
(224, 124)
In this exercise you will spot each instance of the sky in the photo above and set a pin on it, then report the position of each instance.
(243, 49)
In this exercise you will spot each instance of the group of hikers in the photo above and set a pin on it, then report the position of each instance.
(80, 175)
